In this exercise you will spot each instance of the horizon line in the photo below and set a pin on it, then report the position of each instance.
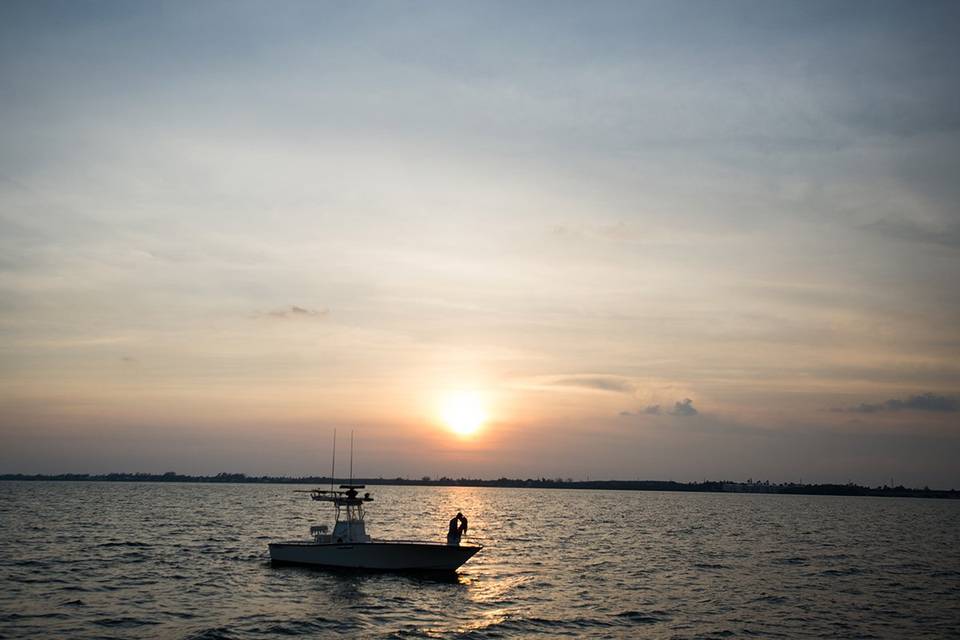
(719, 486)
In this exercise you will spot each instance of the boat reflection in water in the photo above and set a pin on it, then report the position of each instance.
(349, 546)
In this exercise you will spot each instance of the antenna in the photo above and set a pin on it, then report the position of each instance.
(351, 456)
(333, 463)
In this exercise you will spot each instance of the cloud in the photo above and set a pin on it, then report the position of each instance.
(295, 311)
(600, 383)
(909, 231)
(684, 408)
(922, 402)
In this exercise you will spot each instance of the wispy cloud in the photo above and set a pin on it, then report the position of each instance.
(910, 231)
(923, 402)
(600, 383)
(295, 311)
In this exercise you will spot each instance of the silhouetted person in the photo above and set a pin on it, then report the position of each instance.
(463, 523)
(453, 535)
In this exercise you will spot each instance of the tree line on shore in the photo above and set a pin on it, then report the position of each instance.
(708, 486)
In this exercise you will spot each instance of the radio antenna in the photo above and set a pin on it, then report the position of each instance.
(333, 463)
(351, 456)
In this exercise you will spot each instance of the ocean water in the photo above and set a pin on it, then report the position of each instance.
(118, 560)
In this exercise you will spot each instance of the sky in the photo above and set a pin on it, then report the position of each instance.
(654, 240)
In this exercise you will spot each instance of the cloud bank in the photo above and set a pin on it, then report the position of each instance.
(923, 402)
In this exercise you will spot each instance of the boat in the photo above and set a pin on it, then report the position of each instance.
(350, 547)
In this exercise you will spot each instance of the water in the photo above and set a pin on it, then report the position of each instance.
(105, 560)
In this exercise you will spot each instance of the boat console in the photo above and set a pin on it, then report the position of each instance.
(349, 525)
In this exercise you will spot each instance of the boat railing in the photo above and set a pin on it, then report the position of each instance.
(432, 542)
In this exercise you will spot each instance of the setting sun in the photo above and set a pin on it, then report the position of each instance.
(463, 412)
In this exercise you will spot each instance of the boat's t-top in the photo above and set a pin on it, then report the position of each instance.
(349, 525)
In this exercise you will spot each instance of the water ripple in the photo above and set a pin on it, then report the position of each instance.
(94, 560)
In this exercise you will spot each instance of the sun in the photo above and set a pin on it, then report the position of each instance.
(463, 412)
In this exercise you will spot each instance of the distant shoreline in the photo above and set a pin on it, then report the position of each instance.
(515, 483)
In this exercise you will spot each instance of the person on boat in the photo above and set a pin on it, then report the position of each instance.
(463, 524)
(453, 534)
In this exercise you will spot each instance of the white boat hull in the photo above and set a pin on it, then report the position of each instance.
(381, 556)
